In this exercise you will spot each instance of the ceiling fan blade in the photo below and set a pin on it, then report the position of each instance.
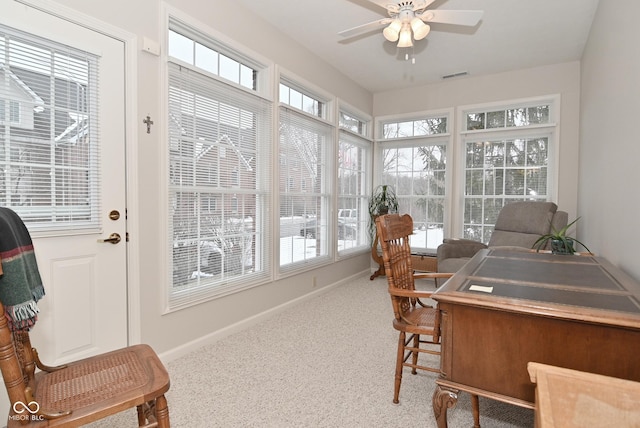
(394, 5)
(455, 17)
(421, 4)
(384, 3)
(365, 28)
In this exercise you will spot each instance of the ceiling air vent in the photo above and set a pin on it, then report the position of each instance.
(461, 73)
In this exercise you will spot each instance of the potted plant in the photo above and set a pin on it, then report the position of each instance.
(561, 243)
(383, 201)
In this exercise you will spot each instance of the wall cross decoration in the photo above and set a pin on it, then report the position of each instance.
(148, 122)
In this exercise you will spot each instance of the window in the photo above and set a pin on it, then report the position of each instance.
(354, 164)
(508, 117)
(13, 111)
(305, 146)
(413, 160)
(48, 139)
(414, 128)
(206, 57)
(301, 101)
(351, 123)
(219, 168)
(507, 152)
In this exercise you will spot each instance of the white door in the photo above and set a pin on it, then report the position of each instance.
(84, 311)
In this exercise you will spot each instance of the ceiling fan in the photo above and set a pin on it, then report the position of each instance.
(411, 18)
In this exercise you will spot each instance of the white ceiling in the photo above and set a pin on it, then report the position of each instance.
(512, 34)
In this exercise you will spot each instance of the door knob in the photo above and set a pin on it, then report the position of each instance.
(114, 238)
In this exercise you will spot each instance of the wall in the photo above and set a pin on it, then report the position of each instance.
(609, 90)
(563, 79)
(181, 330)
(609, 152)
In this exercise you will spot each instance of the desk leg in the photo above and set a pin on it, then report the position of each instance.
(475, 406)
(379, 272)
(443, 399)
(377, 259)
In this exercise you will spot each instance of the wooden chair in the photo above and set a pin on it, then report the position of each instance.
(83, 391)
(80, 392)
(412, 317)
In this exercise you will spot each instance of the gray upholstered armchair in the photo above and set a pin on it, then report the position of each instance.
(519, 225)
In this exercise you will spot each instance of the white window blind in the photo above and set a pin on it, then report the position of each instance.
(354, 164)
(219, 184)
(305, 146)
(48, 133)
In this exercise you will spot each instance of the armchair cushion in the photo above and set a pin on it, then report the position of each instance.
(501, 238)
(518, 226)
(531, 217)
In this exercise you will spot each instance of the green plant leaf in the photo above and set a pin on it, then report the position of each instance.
(560, 235)
(383, 200)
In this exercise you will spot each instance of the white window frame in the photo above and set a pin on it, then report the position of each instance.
(549, 130)
(414, 141)
(325, 246)
(363, 140)
(179, 299)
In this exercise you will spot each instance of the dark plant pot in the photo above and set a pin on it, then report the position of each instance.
(558, 246)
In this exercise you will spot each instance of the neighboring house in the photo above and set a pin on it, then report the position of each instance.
(18, 102)
(300, 164)
(220, 163)
(43, 109)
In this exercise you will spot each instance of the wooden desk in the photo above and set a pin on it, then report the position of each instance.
(578, 312)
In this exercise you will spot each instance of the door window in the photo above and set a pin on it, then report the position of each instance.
(48, 138)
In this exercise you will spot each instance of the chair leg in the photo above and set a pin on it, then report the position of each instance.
(142, 419)
(475, 406)
(162, 412)
(154, 413)
(416, 345)
(399, 365)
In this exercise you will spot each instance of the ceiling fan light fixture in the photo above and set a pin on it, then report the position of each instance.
(405, 37)
(392, 32)
(420, 29)
(409, 20)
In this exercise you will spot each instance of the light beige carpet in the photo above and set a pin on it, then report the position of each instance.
(328, 362)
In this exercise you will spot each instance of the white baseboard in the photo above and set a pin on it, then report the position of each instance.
(217, 335)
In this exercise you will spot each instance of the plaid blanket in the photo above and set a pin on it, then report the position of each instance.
(20, 283)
